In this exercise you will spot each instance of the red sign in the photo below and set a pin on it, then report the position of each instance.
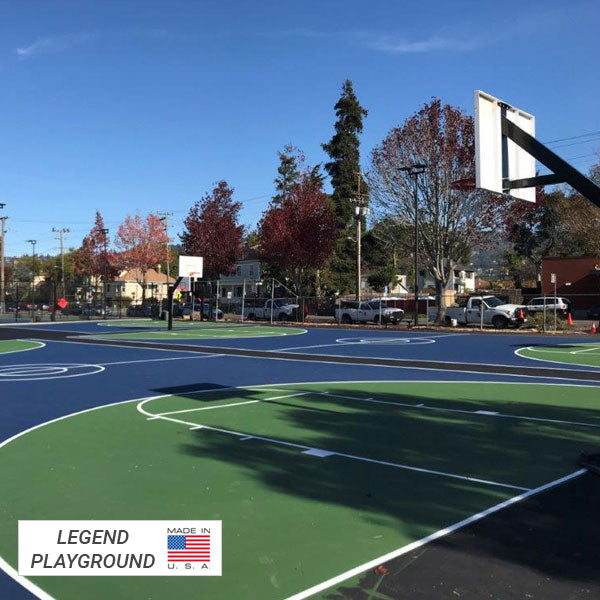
(62, 303)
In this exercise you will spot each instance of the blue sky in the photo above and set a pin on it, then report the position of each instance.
(141, 106)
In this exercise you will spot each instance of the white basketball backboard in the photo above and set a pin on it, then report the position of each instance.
(496, 157)
(190, 266)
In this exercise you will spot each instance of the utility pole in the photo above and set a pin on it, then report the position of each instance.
(61, 238)
(2, 282)
(104, 231)
(360, 210)
(414, 171)
(165, 219)
(33, 243)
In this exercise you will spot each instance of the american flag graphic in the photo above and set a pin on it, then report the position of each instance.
(188, 548)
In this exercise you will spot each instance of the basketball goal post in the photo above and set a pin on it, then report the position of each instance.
(506, 151)
(190, 267)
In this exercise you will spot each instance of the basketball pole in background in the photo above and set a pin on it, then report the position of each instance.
(506, 150)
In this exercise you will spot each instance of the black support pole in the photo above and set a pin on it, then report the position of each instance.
(562, 170)
(170, 293)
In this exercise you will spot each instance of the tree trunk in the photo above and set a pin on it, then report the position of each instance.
(440, 300)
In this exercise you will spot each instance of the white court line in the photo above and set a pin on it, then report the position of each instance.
(177, 412)
(430, 538)
(40, 345)
(146, 360)
(44, 596)
(149, 345)
(381, 341)
(585, 350)
(557, 361)
(241, 434)
(486, 413)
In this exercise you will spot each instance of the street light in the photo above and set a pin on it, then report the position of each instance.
(104, 231)
(33, 243)
(2, 286)
(414, 171)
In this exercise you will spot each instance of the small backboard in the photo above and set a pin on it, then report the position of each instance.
(499, 160)
(190, 266)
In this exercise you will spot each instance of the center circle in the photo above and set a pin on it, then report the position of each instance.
(390, 341)
(40, 372)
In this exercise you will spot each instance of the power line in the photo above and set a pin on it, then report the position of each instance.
(573, 137)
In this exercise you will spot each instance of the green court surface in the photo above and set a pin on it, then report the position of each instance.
(310, 480)
(7, 346)
(584, 355)
(157, 330)
(177, 323)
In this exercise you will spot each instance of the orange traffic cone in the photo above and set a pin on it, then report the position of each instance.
(569, 319)
(593, 329)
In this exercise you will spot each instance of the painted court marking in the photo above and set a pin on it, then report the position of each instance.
(430, 538)
(39, 345)
(241, 434)
(42, 595)
(558, 352)
(39, 372)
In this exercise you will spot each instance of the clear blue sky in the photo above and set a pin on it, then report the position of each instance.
(141, 106)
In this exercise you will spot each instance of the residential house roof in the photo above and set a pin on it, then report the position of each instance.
(152, 276)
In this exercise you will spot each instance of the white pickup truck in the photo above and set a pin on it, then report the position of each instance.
(495, 312)
(283, 309)
(362, 312)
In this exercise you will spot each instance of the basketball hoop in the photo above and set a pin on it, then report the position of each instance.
(463, 185)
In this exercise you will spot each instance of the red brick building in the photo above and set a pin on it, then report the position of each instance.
(576, 278)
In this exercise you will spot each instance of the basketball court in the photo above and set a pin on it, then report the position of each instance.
(345, 464)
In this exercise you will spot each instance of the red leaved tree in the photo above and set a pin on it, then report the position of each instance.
(212, 231)
(451, 222)
(93, 259)
(142, 244)
(299, 235)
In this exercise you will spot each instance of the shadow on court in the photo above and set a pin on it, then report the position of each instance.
(544, 548)
(514, 554)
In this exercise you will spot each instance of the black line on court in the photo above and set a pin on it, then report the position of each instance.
(542, 372)
(544, 548)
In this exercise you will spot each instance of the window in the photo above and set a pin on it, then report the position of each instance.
(238, 270)
(251, 270)
(476, 304)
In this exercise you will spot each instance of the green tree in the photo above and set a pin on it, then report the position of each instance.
(344, 169)
(293, 171)
(288, 173)
(343, 148)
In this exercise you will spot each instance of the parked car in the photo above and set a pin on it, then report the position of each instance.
(594, 312)
(363, 312)
(495, 312)
(258, 308)
(72, 309)
(140, 310)
(537, 305)
(204, 309)
(96, 310)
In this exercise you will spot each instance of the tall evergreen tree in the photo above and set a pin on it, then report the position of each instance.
(343, 168)
(288, 173)
(343, 148)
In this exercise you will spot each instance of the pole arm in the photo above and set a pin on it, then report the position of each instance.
(563, 171)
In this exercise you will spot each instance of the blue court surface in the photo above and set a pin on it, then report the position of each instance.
(84, 365)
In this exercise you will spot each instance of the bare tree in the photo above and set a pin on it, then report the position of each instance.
(451, 222)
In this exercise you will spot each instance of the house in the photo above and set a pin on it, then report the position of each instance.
(462, 280)
(399, 288)
(129, 284)
(246, 273)
(577, 278)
